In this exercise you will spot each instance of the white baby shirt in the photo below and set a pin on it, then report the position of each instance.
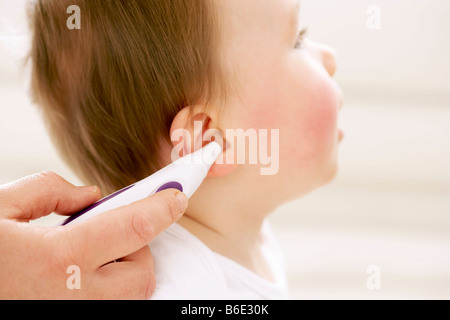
(186, 269)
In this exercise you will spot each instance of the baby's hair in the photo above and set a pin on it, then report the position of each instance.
(110, 90)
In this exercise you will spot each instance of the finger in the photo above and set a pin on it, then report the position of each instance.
(131, 278)
(41, 194)
(143, 255)
(117, 233)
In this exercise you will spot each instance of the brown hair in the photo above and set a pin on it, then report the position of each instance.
(109, 91)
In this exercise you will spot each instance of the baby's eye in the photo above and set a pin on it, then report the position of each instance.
(300, 38)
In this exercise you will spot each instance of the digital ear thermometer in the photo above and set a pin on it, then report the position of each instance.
(185, 174)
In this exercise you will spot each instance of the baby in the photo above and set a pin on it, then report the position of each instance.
(115, 91)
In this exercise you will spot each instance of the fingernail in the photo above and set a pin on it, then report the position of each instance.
(92, 189)
(182, 201)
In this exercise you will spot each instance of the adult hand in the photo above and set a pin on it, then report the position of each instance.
(36, 262)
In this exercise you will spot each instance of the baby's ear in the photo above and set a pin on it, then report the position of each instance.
(190, 131)
(180, 134)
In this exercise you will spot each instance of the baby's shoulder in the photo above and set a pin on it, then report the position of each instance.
(185, 268)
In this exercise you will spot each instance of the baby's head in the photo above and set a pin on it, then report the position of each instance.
(114, 92)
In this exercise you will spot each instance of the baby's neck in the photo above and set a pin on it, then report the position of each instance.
(230, 226)
(246, 252)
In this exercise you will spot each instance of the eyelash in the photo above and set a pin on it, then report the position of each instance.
(300, 38)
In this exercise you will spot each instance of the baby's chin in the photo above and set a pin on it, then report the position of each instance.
(321, 178)
(331, 169)
(331, 175)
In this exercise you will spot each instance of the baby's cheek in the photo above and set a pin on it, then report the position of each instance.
(323, 119)
(265, 112)
(311, 131)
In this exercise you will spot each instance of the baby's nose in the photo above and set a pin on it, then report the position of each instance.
(327, 56)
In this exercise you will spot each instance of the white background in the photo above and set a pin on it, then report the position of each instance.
(390, 204)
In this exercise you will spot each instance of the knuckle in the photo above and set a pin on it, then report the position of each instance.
(48, 175)
(172, 208)
(49, 179)
(141, 225)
